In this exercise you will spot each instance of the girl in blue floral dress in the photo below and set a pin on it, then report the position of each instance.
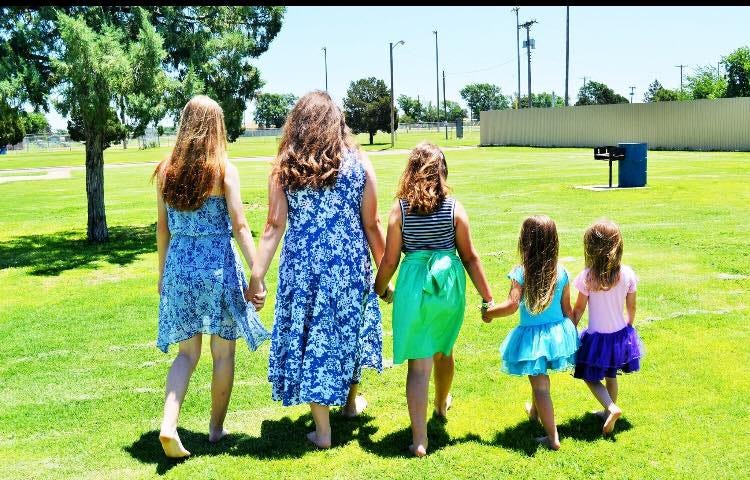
(327, 319)
(201, 279)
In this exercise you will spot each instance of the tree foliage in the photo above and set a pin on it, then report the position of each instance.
(271, 109)
(412, 107)
(367, 107)
(483, 96)
(737, 66)
(596, 93)
(705, 83)
(657, 93)
(542, 100)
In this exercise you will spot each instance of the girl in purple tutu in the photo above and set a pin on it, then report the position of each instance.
(610, 343)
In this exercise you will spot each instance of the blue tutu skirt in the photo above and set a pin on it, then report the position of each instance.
(605, 354)
(539, 349)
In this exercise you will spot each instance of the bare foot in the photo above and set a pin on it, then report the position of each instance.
(172, 445)
(360, 403)
(547, 443)
(444, 411)
(418, 451)
(321, 442)
(603, 414)
(216, 434)
(609, 424)
(531, 412)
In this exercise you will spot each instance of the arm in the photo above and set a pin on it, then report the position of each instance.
(630, 306)
(272, 233)
(369, 213)
(508, 307)
(162, 231)
(240, 228)
(469, 256)
(565, 300)
(579, 308)
(392, 255)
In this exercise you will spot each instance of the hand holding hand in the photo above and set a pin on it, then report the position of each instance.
(256, 293)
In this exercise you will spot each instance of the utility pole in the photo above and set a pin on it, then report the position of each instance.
(518, 51)
(567, 52)
(632, 89)
(393, 132)
(718, 73)
(325, 62)
(445, 112)
(437, 80)
(680, 67)
(528, 46)
(584, 81)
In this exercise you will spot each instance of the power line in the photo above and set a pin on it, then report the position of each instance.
(480, 70)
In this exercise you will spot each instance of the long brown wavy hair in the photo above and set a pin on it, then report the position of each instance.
(424, 181)
(538, 246)
(197, 160)
(602, 246)
(314, 139)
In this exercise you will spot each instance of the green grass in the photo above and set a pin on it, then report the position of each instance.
(82, 382)
(243, 147)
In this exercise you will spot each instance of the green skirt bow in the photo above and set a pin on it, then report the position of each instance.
(428, 304)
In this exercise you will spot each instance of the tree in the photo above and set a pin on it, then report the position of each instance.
(483, 96)
(36, 124)
(139, 62)
(595, 93)
(453, 111)
(705, 83)
(367, 107)
(657, 93)
(12, 125)
(413, 108)
(542, 100)
(737, 65)
(271, 109)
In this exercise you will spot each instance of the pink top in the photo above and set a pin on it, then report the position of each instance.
(606, 307)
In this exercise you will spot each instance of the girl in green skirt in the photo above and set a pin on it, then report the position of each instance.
(430, 295)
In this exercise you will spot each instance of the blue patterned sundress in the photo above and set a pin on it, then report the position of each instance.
(327, 323)
(204, 281)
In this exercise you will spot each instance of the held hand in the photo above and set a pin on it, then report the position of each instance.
(389, 294)
(255, 292)
(486, 316)
(259, 299)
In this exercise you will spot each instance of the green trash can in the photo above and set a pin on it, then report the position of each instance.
(631, 170)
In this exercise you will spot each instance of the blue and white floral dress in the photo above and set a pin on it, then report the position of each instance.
(327, 323)
(203, 281)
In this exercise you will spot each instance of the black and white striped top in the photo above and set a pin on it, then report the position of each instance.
(435, 231)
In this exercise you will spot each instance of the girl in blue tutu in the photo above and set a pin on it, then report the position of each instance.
(610, 344)
(545, 340)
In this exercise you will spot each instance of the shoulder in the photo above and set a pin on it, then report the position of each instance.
(516, 274)
(459, 212)
(562, 274)
(627, 274)
(231, 174)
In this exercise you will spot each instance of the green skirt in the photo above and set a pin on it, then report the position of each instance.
(428, 304)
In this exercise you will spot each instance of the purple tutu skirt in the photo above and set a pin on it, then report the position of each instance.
(604, 354)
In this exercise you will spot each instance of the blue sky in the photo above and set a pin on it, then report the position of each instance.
(619, 46)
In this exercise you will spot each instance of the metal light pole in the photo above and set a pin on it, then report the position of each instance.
(437, 81)
(325, 62)
(518, 51)
(632, 90)
(567, 52)
(392, 46)
(445, 111)
(528, 45)
(680, 67)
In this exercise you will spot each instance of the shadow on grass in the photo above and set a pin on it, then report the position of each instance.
(396, 444)
(522, 437)
(281, 438)
(54, 253)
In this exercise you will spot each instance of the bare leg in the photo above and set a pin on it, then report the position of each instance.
(612, 410)
(531, 410)
(177, 383)
(540, 386)
(444, 371)
(222, 352)
(612, 387)
(321, 437)
(417, 386)
(355, 404)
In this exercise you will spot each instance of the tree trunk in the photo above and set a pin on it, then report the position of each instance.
(371, 138)
(122, 120)
(97, 222)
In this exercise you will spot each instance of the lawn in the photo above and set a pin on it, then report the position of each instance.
(82, 382)
(242, 147)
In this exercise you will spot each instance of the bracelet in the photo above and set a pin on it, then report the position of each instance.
(486, 305)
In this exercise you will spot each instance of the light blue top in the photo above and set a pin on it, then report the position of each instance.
(553, 312)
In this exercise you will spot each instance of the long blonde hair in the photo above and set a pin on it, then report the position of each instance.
(423, 183)
(538, 247)
(313, 141)
(602, 246)
(197, 159)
